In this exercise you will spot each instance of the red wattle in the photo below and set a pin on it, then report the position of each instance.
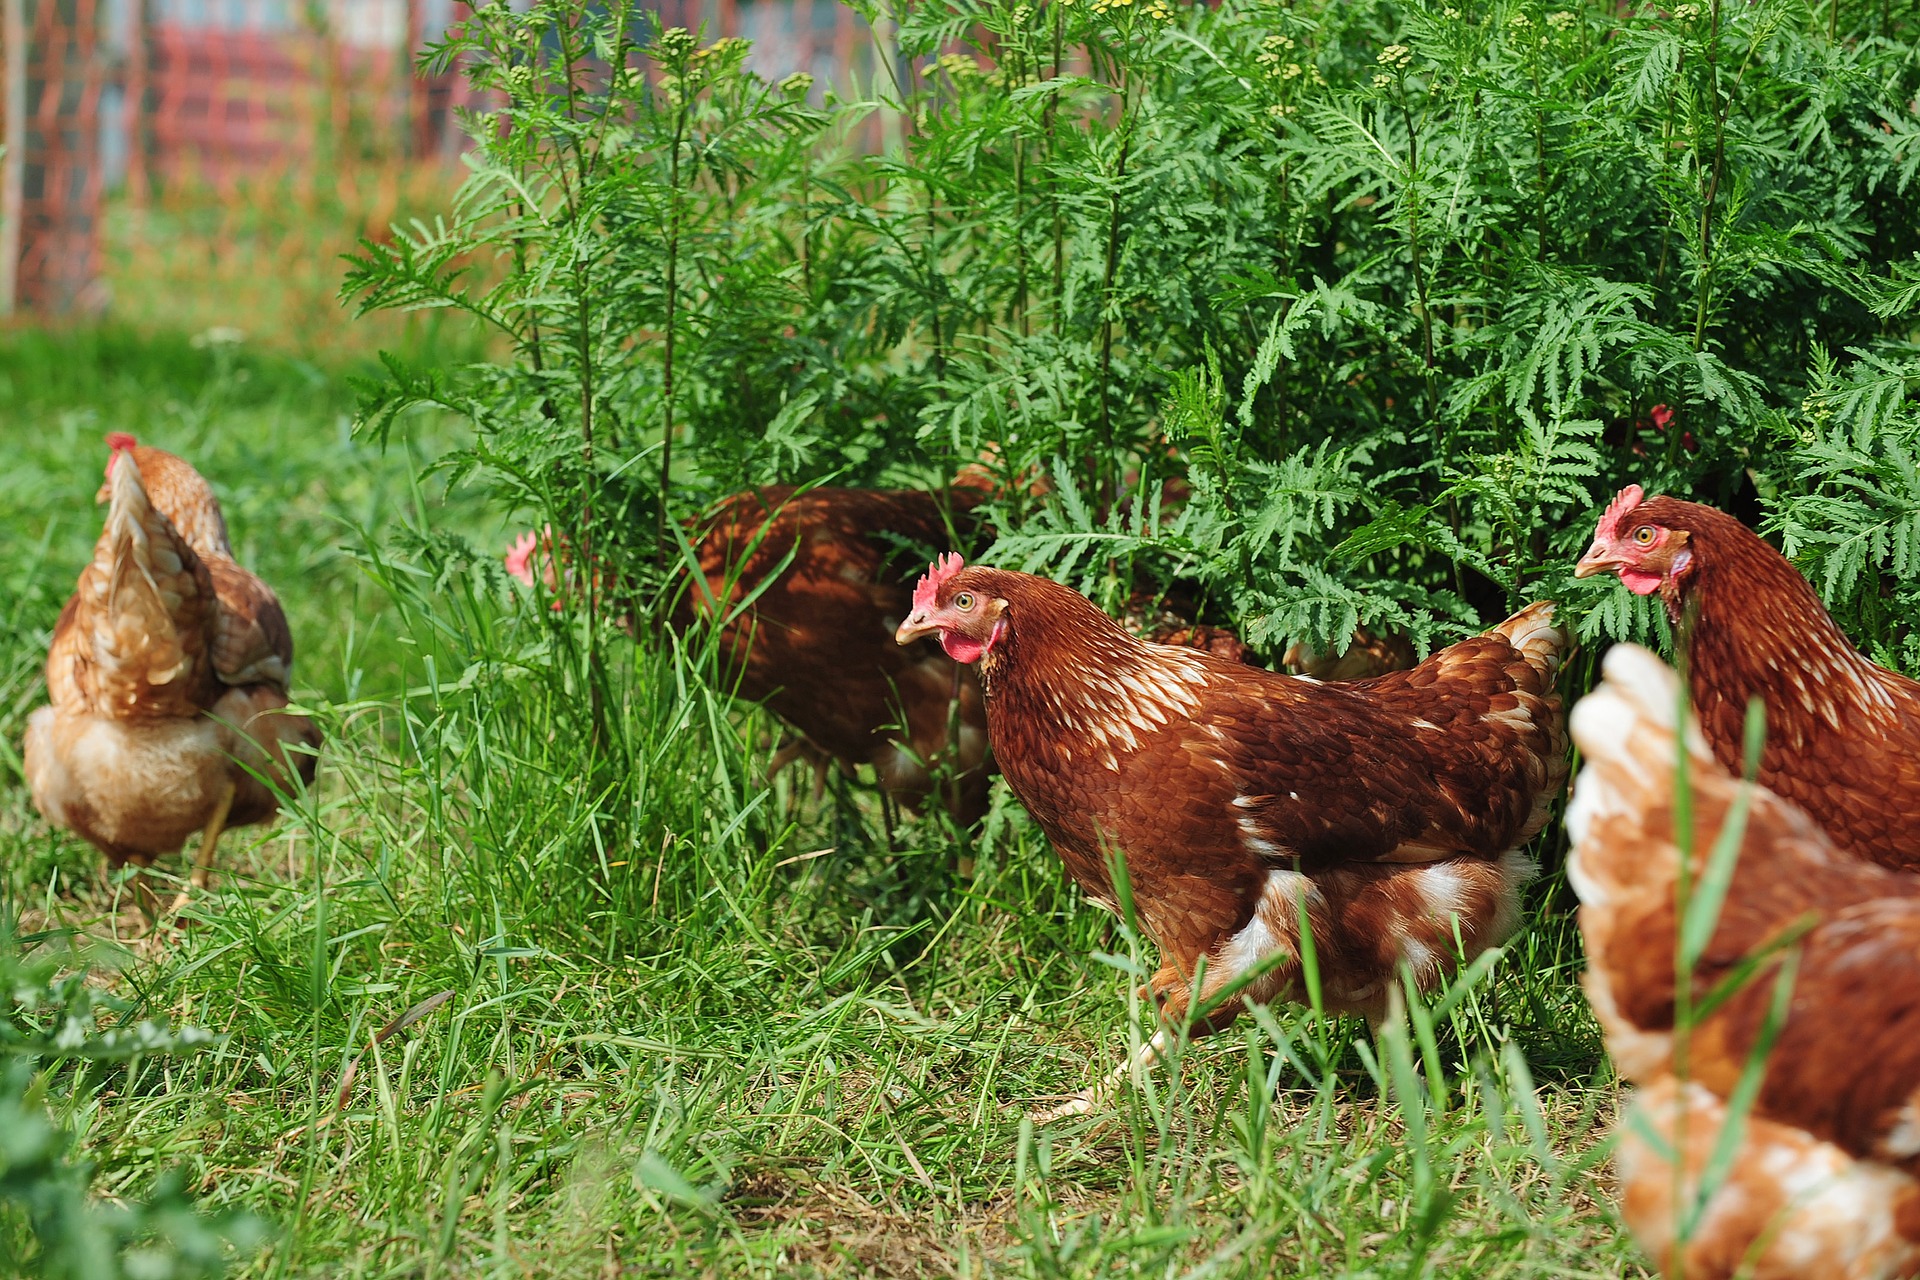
(962, 649)
(1640, 582)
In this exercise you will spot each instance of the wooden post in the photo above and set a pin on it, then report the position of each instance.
(416, 132)
(13, 166)
(136, 106)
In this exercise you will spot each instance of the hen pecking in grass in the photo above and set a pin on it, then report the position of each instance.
(167, 679)
(1392, 811)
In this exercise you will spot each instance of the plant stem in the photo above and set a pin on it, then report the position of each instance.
(806, 223)
(1107, 274)
(1419, 269)
(1020, 211)
(935, 280)
(1049, 119)
(673, 309)
(1666, 162)
(1713, 182)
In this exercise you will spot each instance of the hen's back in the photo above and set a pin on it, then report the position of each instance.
(252, 643)
(1825, 1172)
(833, 569)
(135, 641)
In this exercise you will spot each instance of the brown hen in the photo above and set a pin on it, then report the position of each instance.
(816, 644)
(167, 679)
(1843, 735)
(1396, 807)
(811, 636)
(1823, 1184)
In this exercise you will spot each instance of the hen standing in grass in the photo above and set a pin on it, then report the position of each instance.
(1843, 735)
(167, 678)
(1395, 807)
(1822, 1184)
(816, 643)
(810, 588)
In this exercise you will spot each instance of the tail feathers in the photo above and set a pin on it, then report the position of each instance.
(1629, 731)
(1541, 647)
(149, 606)
(1535, 638)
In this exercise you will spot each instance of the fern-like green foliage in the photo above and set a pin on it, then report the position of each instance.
(1344, 314)
(53, 1223)
(1844, 475)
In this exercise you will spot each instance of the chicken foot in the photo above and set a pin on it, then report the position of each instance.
(203, 856)
(1146, 1057)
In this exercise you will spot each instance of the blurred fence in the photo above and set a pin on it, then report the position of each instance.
(195, 104)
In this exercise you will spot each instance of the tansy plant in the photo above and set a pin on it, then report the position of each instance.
(1336, 313)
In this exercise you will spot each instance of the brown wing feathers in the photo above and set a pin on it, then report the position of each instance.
(252, 642)
(1400, 800)
(133, 641)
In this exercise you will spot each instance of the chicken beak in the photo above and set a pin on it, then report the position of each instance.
(1597, 560)
(917, 624)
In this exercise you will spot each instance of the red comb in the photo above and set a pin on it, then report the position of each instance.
(118, 440)
(520, 557)
(1623, 502)
(929, 585)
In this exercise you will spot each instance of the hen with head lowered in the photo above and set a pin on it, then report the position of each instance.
(1391, 810)
(1822, 1183)
(167, 678)
(809, 587)
(1843, 735)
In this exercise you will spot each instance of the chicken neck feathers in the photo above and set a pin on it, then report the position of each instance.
(133, 643)
(1843, 735)
(251, 643)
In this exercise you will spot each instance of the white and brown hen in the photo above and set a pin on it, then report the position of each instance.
(167, 679)
(1822, 1184)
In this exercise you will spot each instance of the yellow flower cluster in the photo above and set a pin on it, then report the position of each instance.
(1687, 11)
(1560, 20)
(723, 49)
(1382, 80)
(959, 67)
(674, 42)
(1396, 57)
(1450, 13)
(1271, 58)
(1519, 22)
(1159, 10)
(797, 85)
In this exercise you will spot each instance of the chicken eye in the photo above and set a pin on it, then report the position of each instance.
(963, 601)
(1643, 536)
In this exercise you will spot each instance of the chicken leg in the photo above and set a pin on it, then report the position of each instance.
(1146, 1057)
(203, 856)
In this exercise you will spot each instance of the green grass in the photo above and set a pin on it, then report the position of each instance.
(696, 1025)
